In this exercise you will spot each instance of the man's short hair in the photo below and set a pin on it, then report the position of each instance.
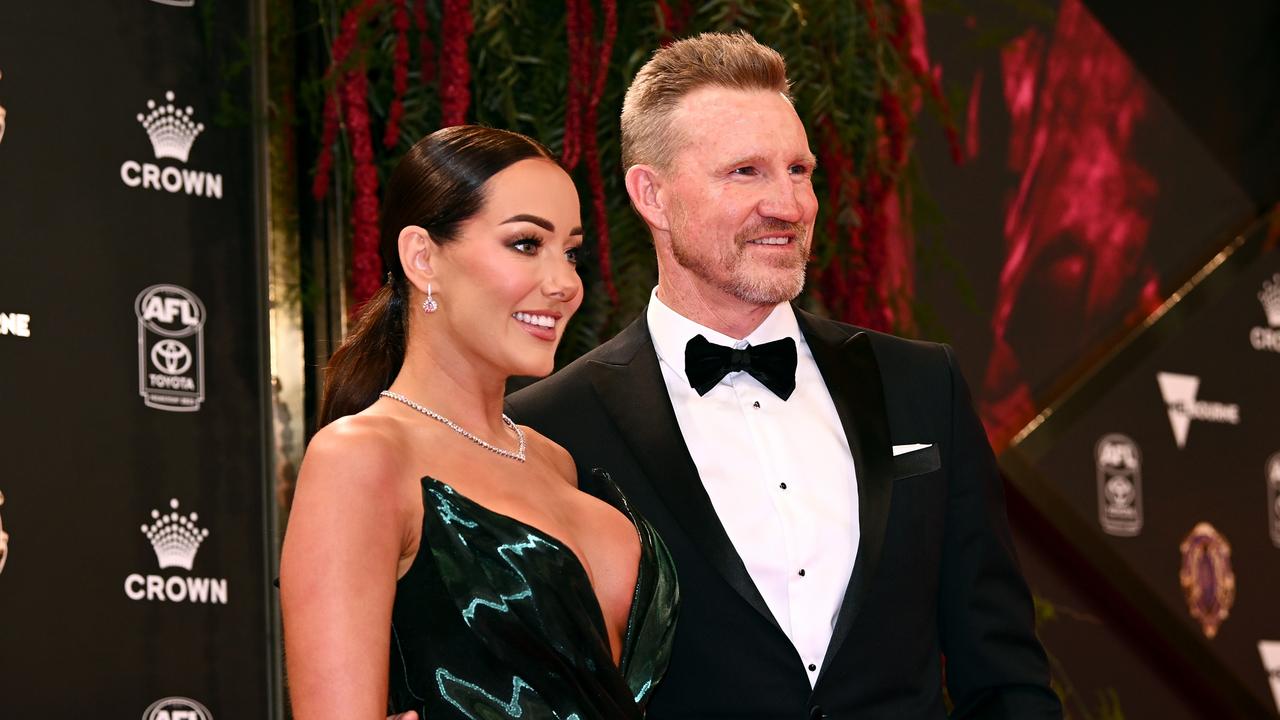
(735, 61)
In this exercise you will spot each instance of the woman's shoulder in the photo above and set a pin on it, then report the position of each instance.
(552, 453)
(360, 448)
(366, 431)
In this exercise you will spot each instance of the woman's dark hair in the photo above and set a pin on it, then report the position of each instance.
(438, 185)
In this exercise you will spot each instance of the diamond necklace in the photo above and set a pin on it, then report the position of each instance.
(518, 455)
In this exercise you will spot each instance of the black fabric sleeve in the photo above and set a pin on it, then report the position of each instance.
(995, 665)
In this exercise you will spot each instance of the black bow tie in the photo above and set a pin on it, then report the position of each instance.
(773, 364)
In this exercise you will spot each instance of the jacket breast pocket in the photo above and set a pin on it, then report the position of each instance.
(916, 462)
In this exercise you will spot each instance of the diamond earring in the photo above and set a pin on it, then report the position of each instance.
(430, 305)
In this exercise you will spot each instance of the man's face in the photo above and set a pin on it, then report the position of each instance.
(739, 194)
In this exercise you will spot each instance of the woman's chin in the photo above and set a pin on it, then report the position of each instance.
(532, 368)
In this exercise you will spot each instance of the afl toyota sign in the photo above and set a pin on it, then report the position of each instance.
(170, 348)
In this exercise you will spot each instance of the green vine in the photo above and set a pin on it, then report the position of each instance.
(845, 58)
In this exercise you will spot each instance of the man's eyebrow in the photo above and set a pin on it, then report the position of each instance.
(745, 160)
(808, 159)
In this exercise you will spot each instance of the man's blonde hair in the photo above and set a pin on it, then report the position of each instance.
(736, 61)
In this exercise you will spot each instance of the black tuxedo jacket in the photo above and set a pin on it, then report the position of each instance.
(935, 576)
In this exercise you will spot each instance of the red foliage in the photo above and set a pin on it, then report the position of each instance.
(595, 178)
(366, 265)
(343, 45)
(426, 48)
(675, 20)
(399, 74)
(576, 27)
(455, 66)
(588, 71)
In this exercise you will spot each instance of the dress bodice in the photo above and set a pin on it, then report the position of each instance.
(496, 619)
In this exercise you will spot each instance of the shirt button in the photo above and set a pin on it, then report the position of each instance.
(801, 572)
(812, 667)
(782, 485)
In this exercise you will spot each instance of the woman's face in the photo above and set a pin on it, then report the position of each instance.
(509, 283)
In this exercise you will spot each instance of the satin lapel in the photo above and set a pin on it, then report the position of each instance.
(630, 386)
(848, 366)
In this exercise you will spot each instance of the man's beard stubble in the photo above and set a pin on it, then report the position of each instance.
(756, 288)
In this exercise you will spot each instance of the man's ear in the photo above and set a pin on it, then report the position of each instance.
(644, 186)
(417, 250)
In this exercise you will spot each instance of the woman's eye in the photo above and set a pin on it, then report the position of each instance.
(528, 246)
(573, 254)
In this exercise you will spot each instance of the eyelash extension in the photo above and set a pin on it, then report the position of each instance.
(531, 239)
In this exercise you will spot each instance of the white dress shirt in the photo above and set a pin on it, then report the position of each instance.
(779, 475)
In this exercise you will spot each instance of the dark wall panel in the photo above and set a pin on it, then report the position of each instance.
(131, 403)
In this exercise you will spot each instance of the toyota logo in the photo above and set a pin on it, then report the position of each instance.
(171, 357)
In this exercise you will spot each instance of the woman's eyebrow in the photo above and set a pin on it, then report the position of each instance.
(541, 222)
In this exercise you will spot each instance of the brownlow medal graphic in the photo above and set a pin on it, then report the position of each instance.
(1208, 581)
(1, 132)
(4, 539)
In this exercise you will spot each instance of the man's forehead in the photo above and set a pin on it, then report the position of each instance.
(711, 96)
(726, 122)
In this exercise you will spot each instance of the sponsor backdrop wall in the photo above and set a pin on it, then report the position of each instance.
(1172, 459)
(131, 383)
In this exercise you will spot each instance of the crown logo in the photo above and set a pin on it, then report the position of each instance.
(1270, 297)
(174, 537)
(170, 128)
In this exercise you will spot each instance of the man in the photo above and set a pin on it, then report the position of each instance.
(828, 494)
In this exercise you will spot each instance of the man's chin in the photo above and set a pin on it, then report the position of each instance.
(768, 291)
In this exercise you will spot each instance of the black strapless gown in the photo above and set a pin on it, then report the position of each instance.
(496, 620)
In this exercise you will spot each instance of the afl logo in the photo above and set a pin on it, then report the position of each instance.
(177, 708)
(170, 310)
(170, 348)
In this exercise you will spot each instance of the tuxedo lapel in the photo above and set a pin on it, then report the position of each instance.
(849, 369)
(629, 384)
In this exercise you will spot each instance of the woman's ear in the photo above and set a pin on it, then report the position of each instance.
(644, 186)
(417, 250)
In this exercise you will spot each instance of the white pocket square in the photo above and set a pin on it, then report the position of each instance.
(903, 449)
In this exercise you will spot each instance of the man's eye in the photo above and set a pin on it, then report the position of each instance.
(801, 170)
(745, 170)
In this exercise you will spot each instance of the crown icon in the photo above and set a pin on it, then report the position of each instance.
(174, 537)
(1270, 297)
(170, 128)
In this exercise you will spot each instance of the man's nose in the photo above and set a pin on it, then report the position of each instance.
(783, 201)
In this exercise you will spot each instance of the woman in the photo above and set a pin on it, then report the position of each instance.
(440, 558)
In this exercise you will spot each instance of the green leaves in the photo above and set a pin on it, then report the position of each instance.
(841, 60)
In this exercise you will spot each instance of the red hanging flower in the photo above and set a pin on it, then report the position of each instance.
(675, 20)
(343, 44)
(595, 177)
(570, 151)
(328, 136)
(366, 275)
(399, 74)
(455, 68)
(426, 48)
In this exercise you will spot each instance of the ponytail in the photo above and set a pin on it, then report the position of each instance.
(368, 360)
